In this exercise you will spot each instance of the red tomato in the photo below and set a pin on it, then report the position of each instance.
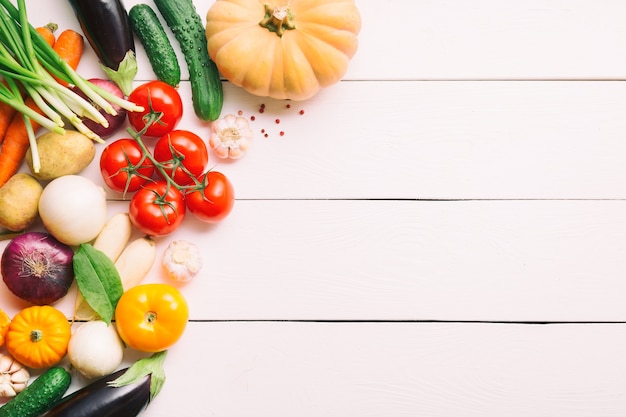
(214, 200)
(122, 167)
(183, 154)
(157, 209)
(160, 99)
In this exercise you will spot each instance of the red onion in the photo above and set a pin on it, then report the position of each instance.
(37, 268)
(115, 122)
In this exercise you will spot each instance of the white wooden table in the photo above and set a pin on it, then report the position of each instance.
(443, 233)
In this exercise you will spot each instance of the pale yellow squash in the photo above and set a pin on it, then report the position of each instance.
(285, 49)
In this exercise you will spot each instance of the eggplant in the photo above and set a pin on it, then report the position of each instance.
(100, 399)
(106, 26)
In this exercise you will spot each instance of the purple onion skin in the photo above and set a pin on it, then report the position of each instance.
(115, 122)
(37, 268)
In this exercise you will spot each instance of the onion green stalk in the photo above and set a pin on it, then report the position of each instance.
(28, 63)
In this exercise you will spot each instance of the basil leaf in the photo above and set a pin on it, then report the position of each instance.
(98, 280)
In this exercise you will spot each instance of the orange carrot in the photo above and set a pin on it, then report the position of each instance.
(6, 114)
(15, 143)
(69, 45)
(47, 32)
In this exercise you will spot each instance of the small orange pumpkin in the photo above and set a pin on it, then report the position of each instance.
(285, 49)
(38, 336)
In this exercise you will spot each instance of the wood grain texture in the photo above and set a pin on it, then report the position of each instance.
(397, 370)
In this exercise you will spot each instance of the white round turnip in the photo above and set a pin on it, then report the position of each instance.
(95, 349)
(73, 209)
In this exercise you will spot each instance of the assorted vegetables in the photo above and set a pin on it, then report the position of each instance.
(28, 68)
(163, 170)
(174, 176)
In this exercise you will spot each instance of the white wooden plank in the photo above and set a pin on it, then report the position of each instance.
(491, 39)
(403, 369)
(510, 260)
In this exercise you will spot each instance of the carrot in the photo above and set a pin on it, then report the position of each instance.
(16, 143)
(47, 32)
(6, 114)
(69, 45)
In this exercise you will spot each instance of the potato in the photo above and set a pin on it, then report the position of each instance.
(19, 200)
(60, 155)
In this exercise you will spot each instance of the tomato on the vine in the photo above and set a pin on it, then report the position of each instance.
(183, 154)
(157, 209)
(151, 317)
(214, 200)
(156, 97)
(123, 166)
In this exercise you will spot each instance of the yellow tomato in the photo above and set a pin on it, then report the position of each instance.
(151, 317)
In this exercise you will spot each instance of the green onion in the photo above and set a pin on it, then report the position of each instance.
(28, 63)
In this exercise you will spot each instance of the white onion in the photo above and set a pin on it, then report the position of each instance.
(95, 349)
(73, 209)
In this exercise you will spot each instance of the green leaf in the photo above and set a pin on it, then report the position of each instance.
(125, 74)
(98, 280)
(152, 365)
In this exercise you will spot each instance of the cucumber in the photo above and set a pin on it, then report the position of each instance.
(41, 395)
(206, 86)
(146, 25)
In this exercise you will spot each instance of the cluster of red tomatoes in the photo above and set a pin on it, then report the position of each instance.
(172, 178)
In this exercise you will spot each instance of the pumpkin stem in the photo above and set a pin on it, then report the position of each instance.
(277, 19)
(35, 336)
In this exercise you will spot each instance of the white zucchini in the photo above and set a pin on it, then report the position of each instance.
(136, 261)
(114, 236)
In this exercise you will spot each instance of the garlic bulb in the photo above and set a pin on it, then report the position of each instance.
(181, 260)
(13, 376)
(230, 136)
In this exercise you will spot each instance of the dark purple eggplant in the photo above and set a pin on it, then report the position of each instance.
(106, 26)
(100, 399)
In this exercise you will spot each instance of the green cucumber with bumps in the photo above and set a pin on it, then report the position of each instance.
(40, 396)
(147, 27)
(188, 28)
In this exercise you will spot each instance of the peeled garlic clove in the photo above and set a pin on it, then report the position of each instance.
(182, 260)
